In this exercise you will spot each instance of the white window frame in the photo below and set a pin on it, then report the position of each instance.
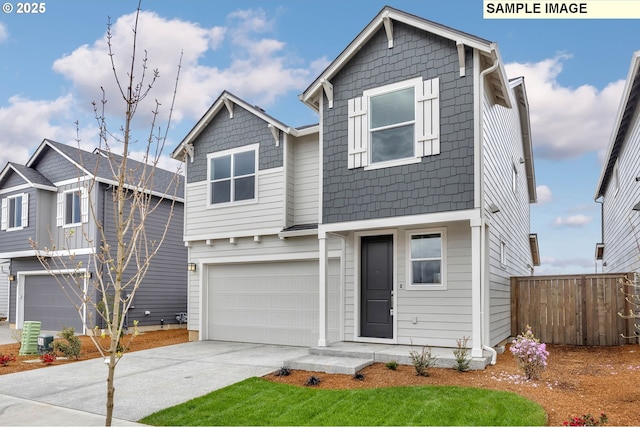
(231, 152)
(503, 253)
(61, 214)
(442, 286)
(426, 123)
(7, 215)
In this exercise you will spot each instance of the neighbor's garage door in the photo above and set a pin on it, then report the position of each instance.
(274, 303)
(46, 302)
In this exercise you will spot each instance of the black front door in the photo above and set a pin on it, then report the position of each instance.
(376, 286)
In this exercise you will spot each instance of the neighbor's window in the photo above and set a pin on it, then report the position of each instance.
(15, 212)
(73, 207)
(426, 259)
(232, 177)
(391, 127)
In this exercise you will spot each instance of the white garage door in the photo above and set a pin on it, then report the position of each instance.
(273, 303)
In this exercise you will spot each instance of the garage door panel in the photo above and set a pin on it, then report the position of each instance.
(46, 302)
(274, 303)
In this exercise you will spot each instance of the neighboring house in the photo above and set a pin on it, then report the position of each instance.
(619, 187)
(48, 200)
(399, 219)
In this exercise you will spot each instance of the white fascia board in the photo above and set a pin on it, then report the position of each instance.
(633, 71)
(233, 235)
(400, 221)
(58, 253)
(221, 102)
(145, 191)
(69, 159)
(364, 36)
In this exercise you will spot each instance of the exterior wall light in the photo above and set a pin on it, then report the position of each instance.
(191, 266)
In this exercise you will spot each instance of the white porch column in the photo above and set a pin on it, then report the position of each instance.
(322, 290)
(476, 288)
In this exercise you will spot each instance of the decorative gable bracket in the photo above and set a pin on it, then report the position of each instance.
(388, 28)
(190, 151)
(276, 133)
(229, 105)
(461, 58)
(328, 90)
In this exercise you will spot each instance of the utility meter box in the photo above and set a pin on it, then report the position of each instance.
(45, 344)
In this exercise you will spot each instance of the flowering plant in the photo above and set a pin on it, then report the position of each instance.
(48, 358)
(6, 358)
(587, 420)
(531, 355)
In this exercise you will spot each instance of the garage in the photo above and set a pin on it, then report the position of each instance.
(274, 303)
(44, 301)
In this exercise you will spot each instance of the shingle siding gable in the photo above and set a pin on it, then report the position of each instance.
(56, 167)
(438, 183)
(12, 179)
(224, 133)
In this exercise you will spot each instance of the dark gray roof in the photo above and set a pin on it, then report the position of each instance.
(100, 162)
(30, 174)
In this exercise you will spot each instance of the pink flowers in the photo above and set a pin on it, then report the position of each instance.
(531, 355)
(587, 420)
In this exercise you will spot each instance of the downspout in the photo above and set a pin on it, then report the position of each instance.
(483, 284)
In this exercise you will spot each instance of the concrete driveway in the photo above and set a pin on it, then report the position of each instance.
(146, 381)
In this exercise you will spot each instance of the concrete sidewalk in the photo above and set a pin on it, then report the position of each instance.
(146, 381)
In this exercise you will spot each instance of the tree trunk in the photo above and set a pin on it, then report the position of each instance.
(110, 383)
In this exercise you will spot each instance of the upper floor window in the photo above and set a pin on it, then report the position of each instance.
(394, 124)
(232, 175)
(73, 207)
(426, 266)
(15, 212)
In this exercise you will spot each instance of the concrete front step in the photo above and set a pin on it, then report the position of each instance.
(329, 364)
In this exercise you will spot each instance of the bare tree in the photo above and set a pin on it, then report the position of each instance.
(123, 254)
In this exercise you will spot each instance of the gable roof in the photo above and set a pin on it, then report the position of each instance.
(227, 100)
(496, 79)
(622, 124)
(31, 176)
(97, 165)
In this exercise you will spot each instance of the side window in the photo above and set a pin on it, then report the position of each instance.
(394, 124)
(426, 259)
(73, 208)
(232, 176)
(15, 212)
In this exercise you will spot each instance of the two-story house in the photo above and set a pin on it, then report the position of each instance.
(618, 189)
(48, 201)
(398, 219)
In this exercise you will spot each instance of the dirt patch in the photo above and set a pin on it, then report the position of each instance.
(578, 380)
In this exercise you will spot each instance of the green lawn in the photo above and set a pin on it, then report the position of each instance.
(259, 402)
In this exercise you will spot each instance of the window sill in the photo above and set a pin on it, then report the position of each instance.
(428, 287)
(399, 162)
(14, 229)
(75, 224)
(232, 204)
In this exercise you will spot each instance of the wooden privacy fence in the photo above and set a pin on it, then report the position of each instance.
(574, 310)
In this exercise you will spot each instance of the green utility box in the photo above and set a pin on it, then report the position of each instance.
(30, 332)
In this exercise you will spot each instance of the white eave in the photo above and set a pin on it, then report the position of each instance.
(497, 79)
(518, 87)
(626, 110)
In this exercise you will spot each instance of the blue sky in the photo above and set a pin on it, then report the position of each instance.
(267, 52)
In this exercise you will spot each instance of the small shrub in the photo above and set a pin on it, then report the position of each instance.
(283, 372)
(48, 358)
(531, 355)
(6, 358)
(392, 365)
(358, 376)
(71, 345)
(312, 381)
(422, 360)
(587, 420)
(461, 353)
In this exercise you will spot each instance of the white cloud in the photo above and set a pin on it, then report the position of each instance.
(259, 70)
(25, 123)
(544, 194)
(566, 122)
(554, 266)
(4, 33)
(572, 221)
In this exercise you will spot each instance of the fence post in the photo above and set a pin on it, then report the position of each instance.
(514, 306)
(583, 298)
